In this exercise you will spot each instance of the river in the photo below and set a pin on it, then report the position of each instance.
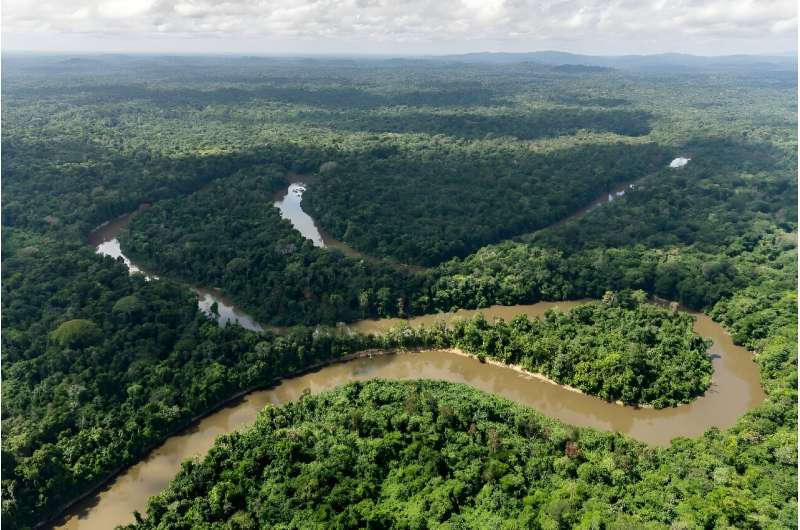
(734, 390)
(289, 203)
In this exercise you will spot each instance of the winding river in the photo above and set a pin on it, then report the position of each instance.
(105, 240)
(735, 389)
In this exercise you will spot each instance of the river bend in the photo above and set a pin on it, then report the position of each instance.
(734, 390)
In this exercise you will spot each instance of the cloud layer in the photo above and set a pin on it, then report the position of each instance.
(383, 23)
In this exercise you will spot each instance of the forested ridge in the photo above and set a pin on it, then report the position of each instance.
(100, 366)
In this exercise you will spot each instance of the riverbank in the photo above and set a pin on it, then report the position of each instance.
(604, 198)
(735, 391)
(647, 424)
(62, 520)
(289, 202)
(105, 240)
(541, 377)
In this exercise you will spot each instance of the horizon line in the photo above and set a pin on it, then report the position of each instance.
(24, 51)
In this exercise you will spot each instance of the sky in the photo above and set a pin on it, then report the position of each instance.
(401, 27)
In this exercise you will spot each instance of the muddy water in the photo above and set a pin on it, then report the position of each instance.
(735, 389)
(105, 240)
(735, 386)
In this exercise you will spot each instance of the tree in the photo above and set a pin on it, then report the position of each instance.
(364, 301)
(76, 333)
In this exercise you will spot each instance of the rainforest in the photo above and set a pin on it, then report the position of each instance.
(517, 220)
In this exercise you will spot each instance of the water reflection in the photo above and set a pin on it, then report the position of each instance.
(226, 313)
(105, 240)
(289, 205)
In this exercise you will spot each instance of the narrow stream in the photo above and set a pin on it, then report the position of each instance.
(105, 240)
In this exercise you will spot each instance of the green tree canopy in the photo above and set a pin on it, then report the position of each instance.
(76, 333)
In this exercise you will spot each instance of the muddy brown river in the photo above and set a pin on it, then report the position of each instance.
(735, 389)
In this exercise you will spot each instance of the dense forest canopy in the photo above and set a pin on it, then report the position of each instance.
(447, 200)
(229, 235)
(74, 412)
(621, 349)
(437, 455)
(464, 165)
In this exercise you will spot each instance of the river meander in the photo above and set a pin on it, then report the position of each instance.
(105, 241)
(734, 390)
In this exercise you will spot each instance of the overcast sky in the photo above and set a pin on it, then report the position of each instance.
(401, 27)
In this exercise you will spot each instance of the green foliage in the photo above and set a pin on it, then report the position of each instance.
(619, 350)
(228, 235)
(148, 364)
(483, 123)
(730, 189)
(428, 454)
(447, 201)
(76, 333)
(422, 160)
(128, 306)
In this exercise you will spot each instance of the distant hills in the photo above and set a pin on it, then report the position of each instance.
(662, 61)
(565, 62)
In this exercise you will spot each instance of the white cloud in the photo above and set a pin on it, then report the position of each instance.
(511, 23)
(125, 9)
